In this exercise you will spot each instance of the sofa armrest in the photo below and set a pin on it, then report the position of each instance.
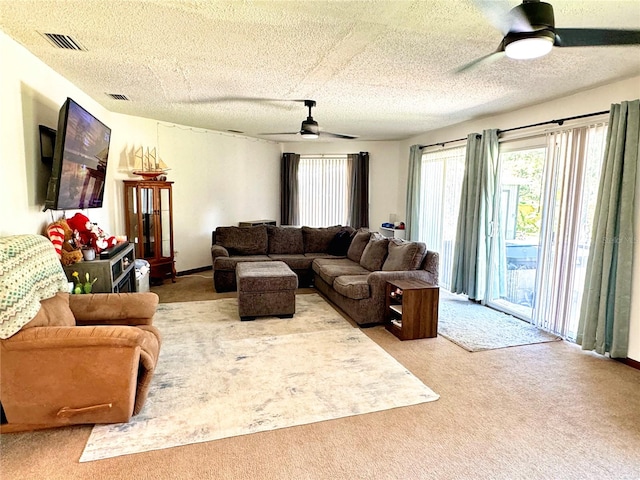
(114, 308)
(431, 265)
(218, 251)
(378, 280)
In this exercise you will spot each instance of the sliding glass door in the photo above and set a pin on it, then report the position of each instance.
(520, 220)
(547, 204)
(572, 177)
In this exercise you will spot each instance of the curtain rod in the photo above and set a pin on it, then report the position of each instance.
(560, 121)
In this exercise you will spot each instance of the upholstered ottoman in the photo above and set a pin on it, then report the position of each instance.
(265, 289)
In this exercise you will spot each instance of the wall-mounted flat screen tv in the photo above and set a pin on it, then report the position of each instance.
(79, 160)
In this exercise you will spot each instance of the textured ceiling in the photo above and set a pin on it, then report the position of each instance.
(380, 70)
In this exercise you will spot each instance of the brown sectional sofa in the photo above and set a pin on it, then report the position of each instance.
(298, 247)
(353, 278)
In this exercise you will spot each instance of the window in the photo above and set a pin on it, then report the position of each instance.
(323, 190)
(442, 173)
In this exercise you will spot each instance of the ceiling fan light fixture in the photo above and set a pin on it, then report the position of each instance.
(309, 129)
(528, 47)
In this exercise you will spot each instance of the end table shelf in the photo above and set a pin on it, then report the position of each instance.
(412, 309)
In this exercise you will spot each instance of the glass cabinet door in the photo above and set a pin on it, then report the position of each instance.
(164, 223)
(148, 237)
(131, 200)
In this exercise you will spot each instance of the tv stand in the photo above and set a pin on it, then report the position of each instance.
(110, 252)
(114, 275)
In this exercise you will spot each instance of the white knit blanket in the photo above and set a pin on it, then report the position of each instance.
(29, 272)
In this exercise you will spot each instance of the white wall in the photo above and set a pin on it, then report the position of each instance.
(594, 100)
(387, 186)
(219, 179)
(32, 94)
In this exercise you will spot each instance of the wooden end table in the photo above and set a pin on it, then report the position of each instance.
(412, 309)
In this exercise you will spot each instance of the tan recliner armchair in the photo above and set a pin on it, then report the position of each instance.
(79, 358)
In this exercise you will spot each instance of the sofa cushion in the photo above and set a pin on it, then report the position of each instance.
(54, 312)
(229, 263)
(295, 262)
(285, 240)
(404, 255)
(320, 262)
(330, 269)
(358, 244)
(322, 255)
(317, 240)
(243, 240)
(341, 241)
(355, 287)
(375, 252)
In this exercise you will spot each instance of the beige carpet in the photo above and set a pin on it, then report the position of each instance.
(218, 377)
(539, 412)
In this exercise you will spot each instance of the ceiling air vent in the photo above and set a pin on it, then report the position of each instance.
(63, 41)
(118, 96)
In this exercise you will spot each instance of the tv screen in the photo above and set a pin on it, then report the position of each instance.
(79, 160)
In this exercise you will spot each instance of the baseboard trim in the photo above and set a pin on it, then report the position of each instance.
(194, 270)
(630, 362)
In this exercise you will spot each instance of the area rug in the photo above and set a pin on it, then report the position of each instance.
(475, 327)
(219, 377)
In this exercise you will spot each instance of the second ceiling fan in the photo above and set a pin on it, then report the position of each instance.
(310, 129)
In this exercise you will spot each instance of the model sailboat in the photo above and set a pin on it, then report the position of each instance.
(148, 165)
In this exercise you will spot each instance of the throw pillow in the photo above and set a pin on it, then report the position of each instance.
(317, 240)
(341, 241)
(375, 252)
(404, 255)
(358, 244)
(54, 312)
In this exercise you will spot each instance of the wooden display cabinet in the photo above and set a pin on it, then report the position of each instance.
(149, 221)
(412, 309)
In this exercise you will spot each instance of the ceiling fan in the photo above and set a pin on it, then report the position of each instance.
(309, 128)
(529, 32)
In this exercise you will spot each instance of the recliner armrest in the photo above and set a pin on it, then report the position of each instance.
(37, 338)
(114, 308)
